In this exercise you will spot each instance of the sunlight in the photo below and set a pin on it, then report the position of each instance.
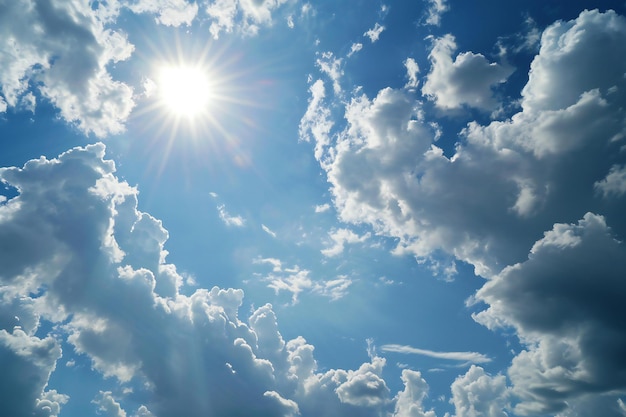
(184, 90)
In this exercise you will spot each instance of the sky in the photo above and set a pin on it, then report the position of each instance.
(399, 208)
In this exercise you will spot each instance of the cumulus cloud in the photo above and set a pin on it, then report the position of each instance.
(471, 357)
(68, 66)
(467, 80)
(27, 362)
(409, 401)
(562, 301)
(517, 172)
(478, 394)
(554, 167)
(82, 259)
(107, 405)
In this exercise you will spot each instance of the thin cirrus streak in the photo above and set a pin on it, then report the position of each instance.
(473, 357)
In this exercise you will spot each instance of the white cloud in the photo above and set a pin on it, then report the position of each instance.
(228, 219)
(477, 394)
(468, 80)
(412, 69)
(364, 387)
(268, 230)
(471, 357)
(297, 281)
(316, 124)
(374, 33)
(614, 184)
(332, 67)
(182, 353)
(168, 12)
(409, 401)
(490, 202)
(107, 405)
(506, 183)
(322, 208)
(246, 16)
(69, 66)
(435, 9)
(339, 238)
(356, 47)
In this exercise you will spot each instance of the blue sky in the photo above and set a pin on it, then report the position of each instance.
(323, 208)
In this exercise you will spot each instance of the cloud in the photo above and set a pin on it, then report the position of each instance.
(562, 301)
(67, 66)
(27, 362)
(435, 9)
(468, 80)
(472, 357)
(268, 230)
(340, 237)
(356, 47)
(374, 33)
(85, 262)
(229, 220)
(505, 183)
(107, 405)
(409, 401)
(477, 394)
(316, 124)
(242, 15)
(322, 208)
(168, 12)
(412, 69)
(553, 167)
(332, 67)
(297, 281)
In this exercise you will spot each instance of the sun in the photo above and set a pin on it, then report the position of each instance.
(185, 91)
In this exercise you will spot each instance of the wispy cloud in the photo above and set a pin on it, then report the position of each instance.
(268, 230)
(229, 220)
(473, 357)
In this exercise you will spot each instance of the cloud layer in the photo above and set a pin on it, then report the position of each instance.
(534, 202)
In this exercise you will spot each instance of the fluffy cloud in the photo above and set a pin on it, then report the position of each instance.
(477, 394)
(468, 80)
(96, 272)
(556, 161)
(68, 66)
(27, 362)
(565, 304)
(409, 401)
